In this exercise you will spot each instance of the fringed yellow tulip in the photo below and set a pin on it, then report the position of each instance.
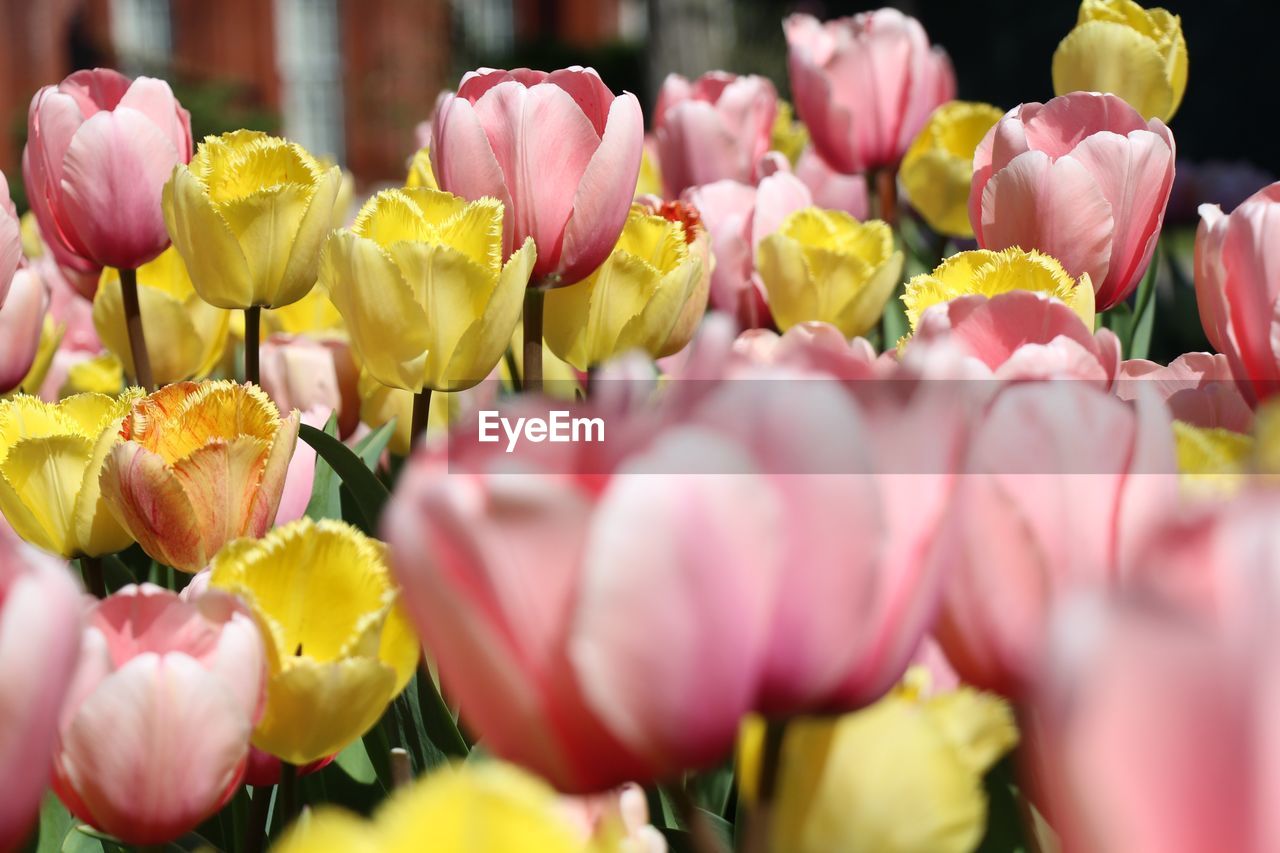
(420, 282)
(51, 455)
(825, 265)
(648, 295)
(490, 806)
(938, 167)
(789, 136)
(649, 181)
(902, 776)
(339, 646)
(1121, 48)
(201, 464)
(990, 273)
(248, 215)
(185, 334)
(420, 174)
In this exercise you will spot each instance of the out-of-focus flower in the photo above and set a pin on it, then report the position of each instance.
(649, 182)
(1226, 183)
(488, 806)
(305, 373)
(902, 776)
(299, 480)
(1119, 47)
(825, 265)
(420, 174)
(314, 314)
(339, 647)
(380, 404)
(865, 85)
(200, 464)
(10, 239)
(717, 127)
(938, 168)
(1061, 482)
(565, 180)
(248, 216)
(154, 736)
(618, 817)
(51, 456)
(39, 646)
(22, 319)
(1198, 388)
(788, 137)
(420, 281)
(99, 149)
(832, 190)
(986, 273)
(101, 374)
(50, 343)
(185, 334)
(1237, 293)
(1083, 178)
(649, 295)
(1212, 460)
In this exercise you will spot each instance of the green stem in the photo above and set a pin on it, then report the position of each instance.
(759, 825)
(287, 797)
(421, 415)
(533, 298)
(133, 327)
(702, 838)
(252, 332)
(91, 569)
(886, 195)
(255, 831)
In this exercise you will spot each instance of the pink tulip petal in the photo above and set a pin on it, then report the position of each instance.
(588, 91)
(154, 99)
(465, 165)
(21, 323)
(1058, 126)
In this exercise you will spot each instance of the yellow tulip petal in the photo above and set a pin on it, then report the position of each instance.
(1101, 56)
(46, 473)
(781, 264)
(420, 172)
(864, 310)
(302, 268)
(217, 266)
(329, 829)
(393, 216)
(173, 344)
(97, 531)
(90, 412)
(476, 231)
(480, 348)
(265, 224)
(102, 374)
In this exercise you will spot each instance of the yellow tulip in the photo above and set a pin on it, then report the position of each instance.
(32, 244)
(185, 334)
(902, 776)
(825, 265)
(379, 404)
(465, 808)
(1119, 47)
(51, 455)
(648, 295)
(201, 464)
(102, 374)
(420, 174)
(1212, 461)
(990, 273)
(249, 215)
(649, 181)
(789, 136)
(938, 167)
(339, 645)
(559, 379)
(420, 282)
(313, 314)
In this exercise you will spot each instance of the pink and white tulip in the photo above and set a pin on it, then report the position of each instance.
(305, 373)
(10, 239)
(21, 322)
(1198, 388)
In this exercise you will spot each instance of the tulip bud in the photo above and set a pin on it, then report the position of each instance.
(938, 168)
(1119, 47)
(248, 216)
(22, 320)
(420, 174)
(824, 265)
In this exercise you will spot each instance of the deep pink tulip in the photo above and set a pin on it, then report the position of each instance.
(21, 321)
(1060, 482)
(717, 127)
(10, 239)
(559, 150)
(1083, 178)
(865, 85)
(154, 736)
(1198, 387)
(1238, 288)
(99, 149)
(39, 643)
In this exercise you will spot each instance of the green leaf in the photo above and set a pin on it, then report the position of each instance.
(354, 761)
(116, 573)
(55, 823)
(325, 501)
(371, 446)
(368, 494)
(1139, 343)
(437, 719)
(1005, 831)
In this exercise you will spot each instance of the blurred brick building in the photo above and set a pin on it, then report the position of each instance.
(347, 78)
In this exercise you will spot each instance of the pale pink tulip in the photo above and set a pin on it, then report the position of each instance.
(1198, 387)
(717, 127)
(99, 149)
(833, 190)
(10, 239)
(39, 643)
(21, 321)
(1060, 481)
(154, 737)
(304, 373)
(865, 85)
(1238, 288)
(558, 150)
(300, 479)
(1083, 178)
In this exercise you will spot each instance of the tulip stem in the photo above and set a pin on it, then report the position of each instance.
(886, 190)
(759, 826)
(702, 838)
(252, 331)
(91, 568)
(133, 326)
(287, 797)
(421, 414)
(255, 831)
(533, 296)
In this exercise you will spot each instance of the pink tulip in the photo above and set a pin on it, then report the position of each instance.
(833, 190)
(300, 479)
(738, 216)
(305, 373)
(39, 642)
(99, 149)
(1198, 388)
(1083, 178)
(865, 85)
(1238, 289)
(10, 239)
(154, 737)
(1060, 482)
(558, 150)
(21, 321)
(717, 127)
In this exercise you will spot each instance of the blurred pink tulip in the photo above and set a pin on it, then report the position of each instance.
(299, 480)
(304, 373)
(717, 127)
(1238, 288)
(39, 643)
(833, 190)
(1198, 388)
(1083, 178)
(865, 85)
(558, 150)
(10, 239)
(99, 149)
(21, 321)
(738, 216)
(154, 737)
(1060, 482)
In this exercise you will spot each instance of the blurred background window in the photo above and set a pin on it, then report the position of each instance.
(309, 57)
(142, 33)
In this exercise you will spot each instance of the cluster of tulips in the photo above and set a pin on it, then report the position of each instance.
(890, 538)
